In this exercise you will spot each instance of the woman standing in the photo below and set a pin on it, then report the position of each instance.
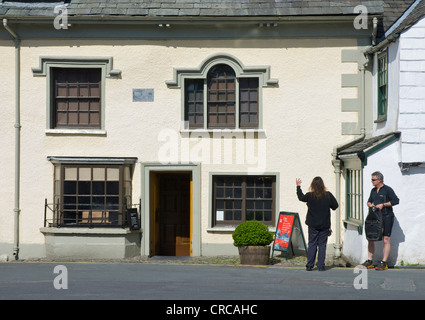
(319, 202)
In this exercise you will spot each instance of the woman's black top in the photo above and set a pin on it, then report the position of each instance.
(319, 213)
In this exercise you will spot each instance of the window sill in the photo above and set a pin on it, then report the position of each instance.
(381, 119)
(355, 223)
(75, 132)
(200, 130)
(85, 230)
(228, 229)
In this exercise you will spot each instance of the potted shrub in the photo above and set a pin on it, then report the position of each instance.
(252, 239)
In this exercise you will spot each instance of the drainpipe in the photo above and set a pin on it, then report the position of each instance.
(337, 162)
(17, 138)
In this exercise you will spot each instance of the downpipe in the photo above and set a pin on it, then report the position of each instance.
(338, 164)
(17, 126)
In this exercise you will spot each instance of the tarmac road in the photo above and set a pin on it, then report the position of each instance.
(128, 281)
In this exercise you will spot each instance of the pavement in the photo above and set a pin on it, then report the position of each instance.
(200, 287)
(202, 278)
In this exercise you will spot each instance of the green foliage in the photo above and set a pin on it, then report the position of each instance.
(252, 233)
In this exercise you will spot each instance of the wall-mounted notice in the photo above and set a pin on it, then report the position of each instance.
(219, 215)
(142, 95)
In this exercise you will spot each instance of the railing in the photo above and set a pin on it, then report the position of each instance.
(55, 216)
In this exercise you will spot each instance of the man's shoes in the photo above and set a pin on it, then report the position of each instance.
(368, 264)
(382, 265)
(309, 268)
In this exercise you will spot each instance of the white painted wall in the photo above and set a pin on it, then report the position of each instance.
(407, 235)
(406, 113)
(412, 93)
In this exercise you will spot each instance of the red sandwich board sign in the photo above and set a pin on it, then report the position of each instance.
(287, 224)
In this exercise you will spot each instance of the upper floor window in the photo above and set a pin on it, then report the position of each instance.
(222, 94)
(382, 86)
(76, 98)
(75, 93)
(225, 95)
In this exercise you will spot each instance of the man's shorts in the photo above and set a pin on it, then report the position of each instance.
(388, 221)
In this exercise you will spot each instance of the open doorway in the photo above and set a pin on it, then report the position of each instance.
(171, 213)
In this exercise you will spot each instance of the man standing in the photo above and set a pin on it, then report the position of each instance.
(383, 198)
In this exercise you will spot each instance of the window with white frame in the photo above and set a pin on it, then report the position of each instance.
(354, 195)
(382, 86)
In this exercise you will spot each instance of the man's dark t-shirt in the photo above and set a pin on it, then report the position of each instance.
(385, 194)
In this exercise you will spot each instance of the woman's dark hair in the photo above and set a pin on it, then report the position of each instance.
(317, 188)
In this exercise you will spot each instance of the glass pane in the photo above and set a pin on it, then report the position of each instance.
(99, 174)
(84, 187)
(228, 215)
(219, 192)
(98, 187)
(250, 192)
(84, 105)
(84, 90)
(249, 215)
(112, 187)
(61, 105)
(259, 215)
(113, 174)
(73, 89)
(84, 203)
(61, 119)
(84, 174)
(229, 193)
(250, 204)
(70, 187)
(69, 202)
(70, 173)
(94, 118)
(112, 203)
(220, 204)
(98, 203)
(84, 118)
(229, 204)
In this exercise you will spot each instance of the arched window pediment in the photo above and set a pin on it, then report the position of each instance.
(263, 72)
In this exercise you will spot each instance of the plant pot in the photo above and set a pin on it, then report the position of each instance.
(254, 255)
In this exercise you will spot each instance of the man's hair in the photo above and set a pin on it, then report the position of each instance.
(378, 175)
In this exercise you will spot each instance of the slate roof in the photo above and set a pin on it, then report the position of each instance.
(186, 8)
(393, 9)
(416, 14)
(389, 10)
(361, 147)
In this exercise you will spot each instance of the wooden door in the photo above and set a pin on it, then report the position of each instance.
(174, 214)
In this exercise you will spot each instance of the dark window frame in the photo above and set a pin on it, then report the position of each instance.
(76, 104)
(241, 100)
(243, 200)
(116, 197)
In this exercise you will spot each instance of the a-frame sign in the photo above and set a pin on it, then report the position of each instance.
(288, 224)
